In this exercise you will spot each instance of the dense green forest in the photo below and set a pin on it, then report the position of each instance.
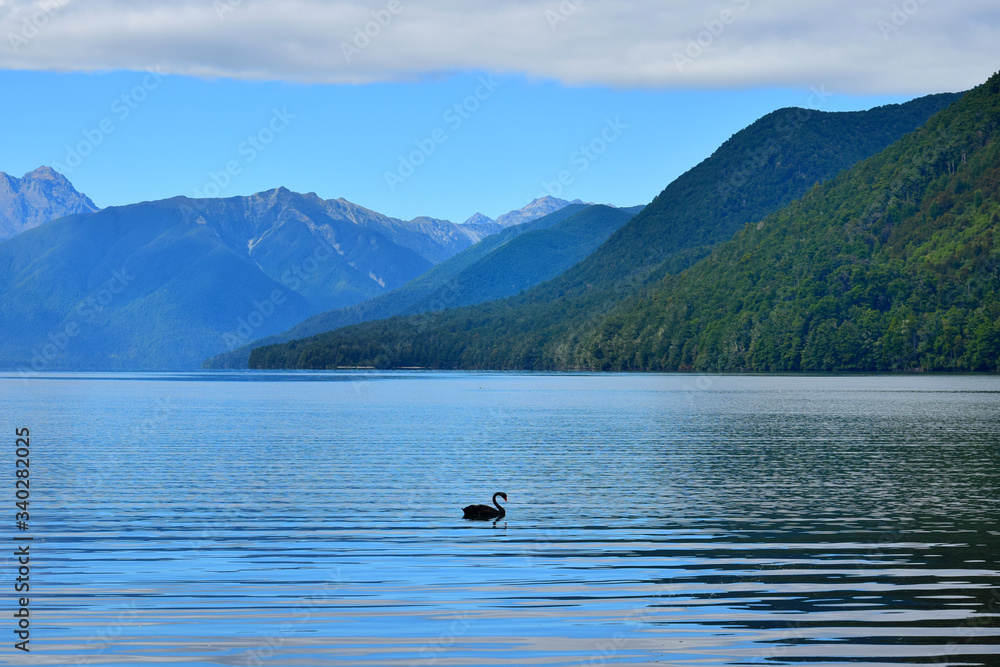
(892, 266)
(888, 266)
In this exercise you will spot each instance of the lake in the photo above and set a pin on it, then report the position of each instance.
(315, 519)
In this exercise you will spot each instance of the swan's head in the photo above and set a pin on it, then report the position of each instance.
(502, 495)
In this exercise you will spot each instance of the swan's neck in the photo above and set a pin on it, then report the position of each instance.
(498, 506)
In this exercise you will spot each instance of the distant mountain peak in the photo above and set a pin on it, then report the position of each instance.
(536, 209)
(479, 219)
(280, 192)
(36, 198)
(547, 199)
(47, 173)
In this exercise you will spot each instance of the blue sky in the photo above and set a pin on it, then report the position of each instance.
(340, 140)
(257, 95)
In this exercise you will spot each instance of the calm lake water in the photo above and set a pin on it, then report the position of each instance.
(315, 519)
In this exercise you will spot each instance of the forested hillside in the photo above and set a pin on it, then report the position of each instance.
(895, 265)
(607, 314)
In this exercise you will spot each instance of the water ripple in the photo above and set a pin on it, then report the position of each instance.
(313, 519)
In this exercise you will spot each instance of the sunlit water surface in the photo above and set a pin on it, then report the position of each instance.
(314, 519)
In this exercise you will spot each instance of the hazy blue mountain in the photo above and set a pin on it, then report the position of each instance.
(436, 240)
(36, 198)
(534, 256)
(503, 264)
(480, 219)
(162, 285)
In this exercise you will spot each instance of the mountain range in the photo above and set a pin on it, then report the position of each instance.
(506, 263)
(163, 285)
(36, 198)
(610, 311)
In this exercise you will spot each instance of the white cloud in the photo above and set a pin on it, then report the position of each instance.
(859, 46)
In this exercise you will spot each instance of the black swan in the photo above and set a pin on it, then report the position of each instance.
(485, 512)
